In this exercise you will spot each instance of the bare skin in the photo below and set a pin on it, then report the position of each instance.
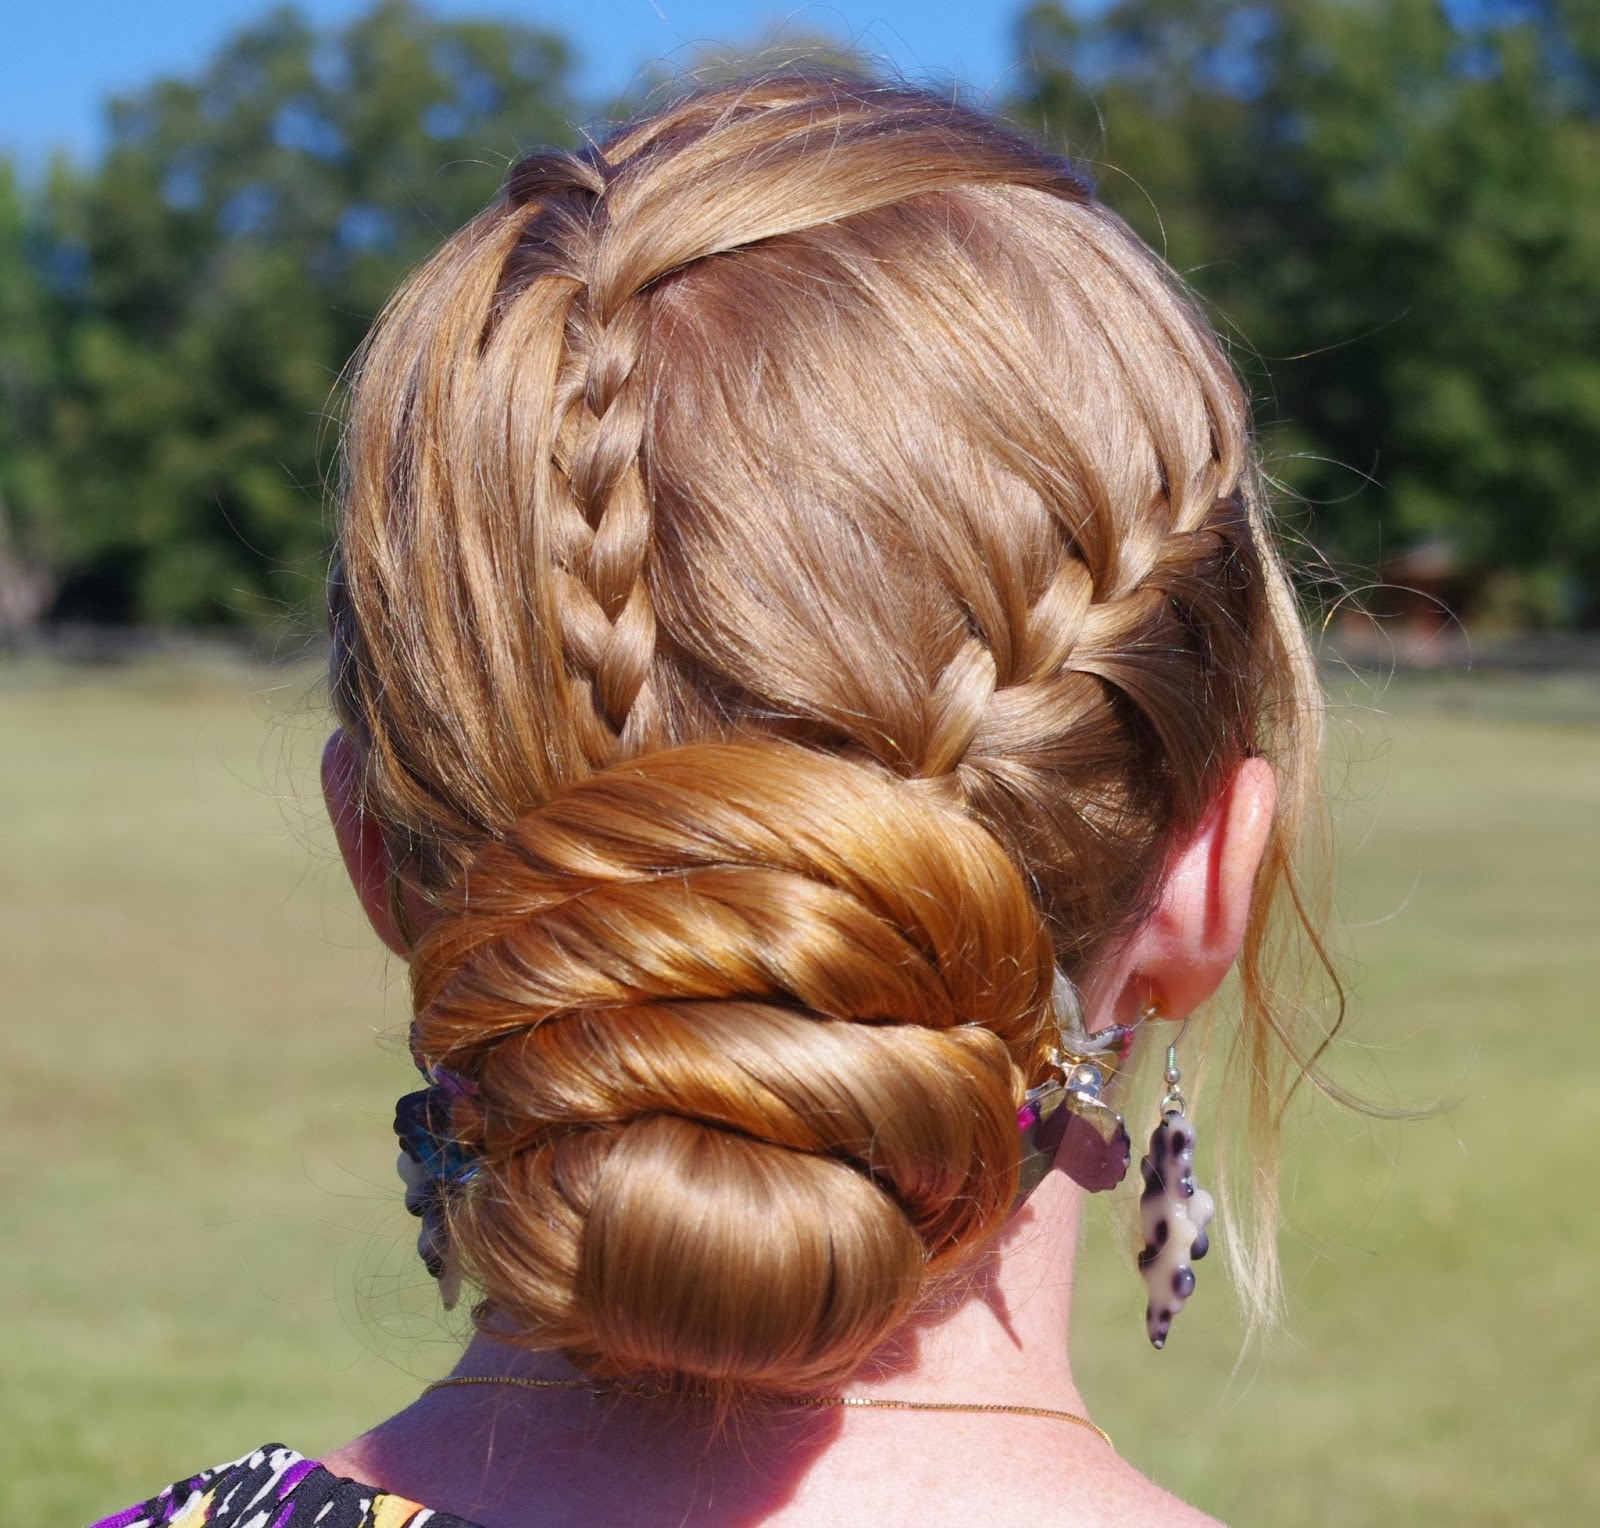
(510, 1458)
(515, 1458)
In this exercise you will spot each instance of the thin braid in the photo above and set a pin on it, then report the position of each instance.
(600, 529)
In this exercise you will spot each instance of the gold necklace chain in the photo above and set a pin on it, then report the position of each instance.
(853, 1402)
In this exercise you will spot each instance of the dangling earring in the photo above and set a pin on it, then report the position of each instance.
(1067, 1107)
(1173, 1210)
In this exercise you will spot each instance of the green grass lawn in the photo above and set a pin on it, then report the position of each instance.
(204, 1244)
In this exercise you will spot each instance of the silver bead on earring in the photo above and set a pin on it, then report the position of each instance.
(1065, 1117)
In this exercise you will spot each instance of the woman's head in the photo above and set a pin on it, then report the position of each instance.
(800, 578)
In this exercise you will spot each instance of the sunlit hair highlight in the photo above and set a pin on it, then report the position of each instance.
(801, 573)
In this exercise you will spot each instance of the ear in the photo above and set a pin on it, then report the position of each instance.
(366, 855)
(1182, 951)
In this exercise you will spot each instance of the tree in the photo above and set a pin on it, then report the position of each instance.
(218, 269)
(1397, 204)
(28, 376)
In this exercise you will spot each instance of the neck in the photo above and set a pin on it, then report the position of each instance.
(999, 1334)
(1000, 1338)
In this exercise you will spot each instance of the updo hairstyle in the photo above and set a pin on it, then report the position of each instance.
(800, 574)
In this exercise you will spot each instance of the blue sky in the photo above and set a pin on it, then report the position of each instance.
(60, 59)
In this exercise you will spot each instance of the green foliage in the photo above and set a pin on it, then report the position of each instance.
(1397, 204)
(28, 374)
(208, 280)
(1393, 205)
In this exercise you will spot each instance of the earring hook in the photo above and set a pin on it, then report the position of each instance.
(1174, 1102)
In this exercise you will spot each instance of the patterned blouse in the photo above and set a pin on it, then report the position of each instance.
(274, 1487)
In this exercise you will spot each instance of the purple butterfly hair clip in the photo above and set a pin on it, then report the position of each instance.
(434, 1166)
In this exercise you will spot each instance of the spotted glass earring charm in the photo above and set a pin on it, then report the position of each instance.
(1174, 1212)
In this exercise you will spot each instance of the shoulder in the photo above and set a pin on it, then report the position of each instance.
(277, 1485)
(1147, 1503)
(1098, 1489)
(1133, 1500)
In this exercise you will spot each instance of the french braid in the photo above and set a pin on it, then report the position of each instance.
(801, 571)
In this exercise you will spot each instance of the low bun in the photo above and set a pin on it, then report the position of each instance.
(709, 1256)
(748, 1027)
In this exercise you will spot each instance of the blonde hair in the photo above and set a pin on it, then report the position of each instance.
(801, 571)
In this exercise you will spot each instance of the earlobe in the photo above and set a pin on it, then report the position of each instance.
(361, 842)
